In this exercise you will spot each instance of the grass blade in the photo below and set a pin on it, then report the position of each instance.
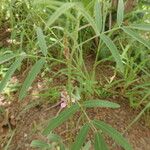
(46, 3)
(87, 146)
(138, 116)
(115, 53)
(80, 139)
(6, 57)
(100, 103)
(41, 41)
(61, 10)
(62, 117)
(10, 72)
(99, 142)
(136, 36)
(39, 144)
(144, 26)
(98, 15)
(120, 12)
(31, 76)
(113, 133)
(9, 141)
(90, 20)
(56, 138)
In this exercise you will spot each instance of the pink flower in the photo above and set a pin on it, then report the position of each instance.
(63, 104)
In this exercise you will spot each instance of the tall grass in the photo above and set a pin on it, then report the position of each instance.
(62, 32)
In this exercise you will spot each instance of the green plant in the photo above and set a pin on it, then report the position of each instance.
(61, 33)
(98, 127)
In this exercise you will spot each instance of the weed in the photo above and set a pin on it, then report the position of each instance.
(48, 34)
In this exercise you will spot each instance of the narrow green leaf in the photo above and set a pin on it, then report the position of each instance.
(99, 142)
(41, 41)
(87, 146)
(7, 147)
(144, 26)
(139, 115)
(62, 117)
(90, 20)
(120, 12)
(31, 76)
(46, 3)
(100, 103)
(10, 72)
(113, 133)
(39, 144)
(136, 36)
(56, 138)
(115, 53)
(6, 57)
(80, 139)
(61, 10)
(98, 15)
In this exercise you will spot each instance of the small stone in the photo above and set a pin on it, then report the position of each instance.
(25, 135)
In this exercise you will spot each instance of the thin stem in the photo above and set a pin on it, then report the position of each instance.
(87, 117)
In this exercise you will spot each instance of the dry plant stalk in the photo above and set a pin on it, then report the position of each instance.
(66, 51)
